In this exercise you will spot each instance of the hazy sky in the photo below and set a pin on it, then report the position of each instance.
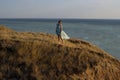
(60, 9)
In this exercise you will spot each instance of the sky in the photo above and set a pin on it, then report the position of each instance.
(83, 9)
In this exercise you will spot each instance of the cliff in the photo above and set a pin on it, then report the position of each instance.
(38, 56)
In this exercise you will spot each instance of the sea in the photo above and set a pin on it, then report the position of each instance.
(100, 32)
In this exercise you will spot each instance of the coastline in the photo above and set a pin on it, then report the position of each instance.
(28, 55)
(101, 33)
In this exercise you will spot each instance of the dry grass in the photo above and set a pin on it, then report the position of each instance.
(38, 56)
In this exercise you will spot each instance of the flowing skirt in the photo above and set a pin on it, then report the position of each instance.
(64, 35)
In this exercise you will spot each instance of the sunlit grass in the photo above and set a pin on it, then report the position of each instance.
(38, 56)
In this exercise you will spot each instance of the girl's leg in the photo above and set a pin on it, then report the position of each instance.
(58, 39)
(61, 39)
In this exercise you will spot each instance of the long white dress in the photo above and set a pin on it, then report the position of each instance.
(64, 35)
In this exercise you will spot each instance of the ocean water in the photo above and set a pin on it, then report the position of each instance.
(103, 33)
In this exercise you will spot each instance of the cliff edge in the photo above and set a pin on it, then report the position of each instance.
(38, 56)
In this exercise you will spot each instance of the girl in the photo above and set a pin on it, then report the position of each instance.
(59, 30)
(60, 33)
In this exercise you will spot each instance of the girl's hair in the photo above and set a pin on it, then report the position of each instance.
(59, 21)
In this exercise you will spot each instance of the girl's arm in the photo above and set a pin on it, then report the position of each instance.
(60, 27)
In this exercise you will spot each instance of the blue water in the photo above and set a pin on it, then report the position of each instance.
(103, 33)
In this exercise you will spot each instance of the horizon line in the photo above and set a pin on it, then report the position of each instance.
(68, 18)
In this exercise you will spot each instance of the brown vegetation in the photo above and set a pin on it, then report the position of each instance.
(38, 56)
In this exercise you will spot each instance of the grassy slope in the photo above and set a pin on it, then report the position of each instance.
(38, 56)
